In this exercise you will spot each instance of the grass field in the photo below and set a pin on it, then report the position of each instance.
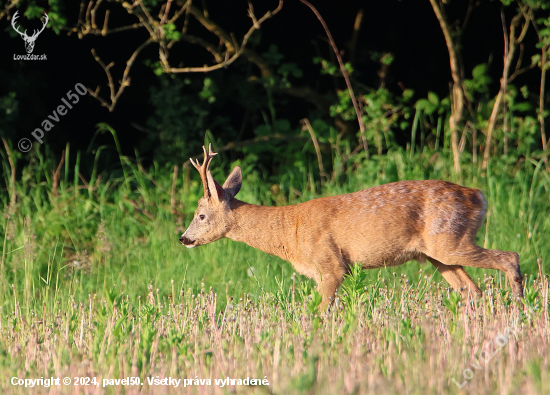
(95, 284)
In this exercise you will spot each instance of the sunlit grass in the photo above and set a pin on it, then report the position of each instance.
(95, 283)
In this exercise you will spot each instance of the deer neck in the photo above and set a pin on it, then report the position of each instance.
(264, 228)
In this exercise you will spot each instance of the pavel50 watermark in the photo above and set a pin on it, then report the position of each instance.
(25, 144)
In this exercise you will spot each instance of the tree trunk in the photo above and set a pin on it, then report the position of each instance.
(457, 91)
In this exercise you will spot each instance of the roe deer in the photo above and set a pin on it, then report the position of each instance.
(387, 225)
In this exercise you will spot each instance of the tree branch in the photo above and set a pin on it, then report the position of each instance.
(358, 111)
(508, 57)
(114, 96)
(543, 68)
(354, 36)
(86, 22)
(9, 5)
(233, 51)
(307, 126)
(157, 33)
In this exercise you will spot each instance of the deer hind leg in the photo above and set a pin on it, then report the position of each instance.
(457, 277)
(475, 256)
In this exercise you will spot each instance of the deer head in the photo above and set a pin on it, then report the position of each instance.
(213, 217)
(29, 41)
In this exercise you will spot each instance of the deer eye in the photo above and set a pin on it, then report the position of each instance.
(201, 217)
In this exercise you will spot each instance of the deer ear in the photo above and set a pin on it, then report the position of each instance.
(232, 185)
(215, 189)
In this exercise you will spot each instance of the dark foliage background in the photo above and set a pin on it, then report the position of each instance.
(166, 117)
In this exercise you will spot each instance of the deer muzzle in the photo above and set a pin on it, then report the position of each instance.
(187, 242)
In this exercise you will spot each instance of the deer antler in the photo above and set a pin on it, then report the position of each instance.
(203, 170)
(15, 16)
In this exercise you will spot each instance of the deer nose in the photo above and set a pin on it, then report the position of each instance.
(181, 239)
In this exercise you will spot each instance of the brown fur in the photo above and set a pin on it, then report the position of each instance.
(383, 226)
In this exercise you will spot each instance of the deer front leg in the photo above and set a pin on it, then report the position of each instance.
(330, 267)
(327, 285)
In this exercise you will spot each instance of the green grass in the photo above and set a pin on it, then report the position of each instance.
(95, 283)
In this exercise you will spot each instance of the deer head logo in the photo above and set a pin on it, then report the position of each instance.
(29, 40)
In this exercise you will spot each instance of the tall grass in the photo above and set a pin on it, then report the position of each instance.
(95, 283)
